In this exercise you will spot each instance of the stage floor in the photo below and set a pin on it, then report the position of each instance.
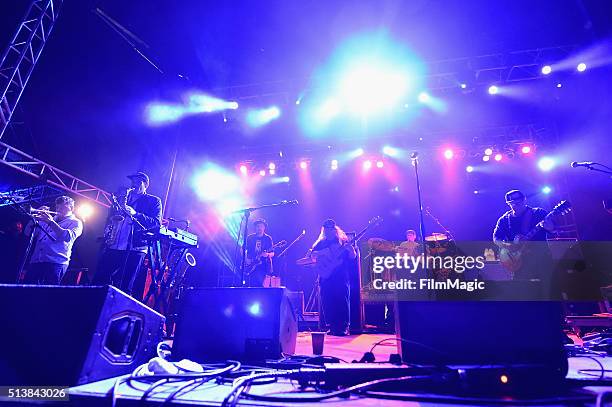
(349, 348)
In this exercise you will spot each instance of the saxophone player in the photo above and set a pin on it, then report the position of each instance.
(53, 249)
(124, 248)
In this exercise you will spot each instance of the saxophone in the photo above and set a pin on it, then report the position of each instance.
(112, 228)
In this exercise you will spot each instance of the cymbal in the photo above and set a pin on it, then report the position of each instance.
(305, 261)
(383, 245)
(436, 237)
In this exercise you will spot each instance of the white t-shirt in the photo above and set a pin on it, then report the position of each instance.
(56, 251)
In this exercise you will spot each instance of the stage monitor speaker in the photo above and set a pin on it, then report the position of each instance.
(507, 333)
(239, 323)
(66, 336)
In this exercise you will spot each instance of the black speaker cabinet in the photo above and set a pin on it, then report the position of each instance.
(216, 324)
(65, 336)
(483, 333)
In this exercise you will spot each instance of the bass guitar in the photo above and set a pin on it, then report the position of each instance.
(511, 254)
(328, 259)
(259, 259)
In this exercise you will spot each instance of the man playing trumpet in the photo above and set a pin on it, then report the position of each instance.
(53, 249)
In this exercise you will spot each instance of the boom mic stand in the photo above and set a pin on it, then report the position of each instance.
(245, 219)
(448, 232)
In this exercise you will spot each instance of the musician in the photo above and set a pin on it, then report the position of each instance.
(258, 259)
(52, 250)
(124, 247)
(335, 290)
(410, 246)
(518, 221)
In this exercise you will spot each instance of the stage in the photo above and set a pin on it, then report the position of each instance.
(348, 348)
(238, 176)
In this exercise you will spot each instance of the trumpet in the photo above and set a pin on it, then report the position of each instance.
(35, 211)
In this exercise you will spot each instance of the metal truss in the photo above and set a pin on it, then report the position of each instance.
(53, 176)
(22, 53)
(497, 68)
(39, 194)
(507, 139)
(516, 66)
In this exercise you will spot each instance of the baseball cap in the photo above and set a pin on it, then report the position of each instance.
(142, 176)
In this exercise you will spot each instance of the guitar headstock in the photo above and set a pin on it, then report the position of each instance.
(375, 221)
(562, 208)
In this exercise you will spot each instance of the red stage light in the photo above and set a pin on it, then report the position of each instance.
(498, 157)
(244, 169)
(367, 164)
(380, 164)
(303, 165)
(448, 154)
(526, 149)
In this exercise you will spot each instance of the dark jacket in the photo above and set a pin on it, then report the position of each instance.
(149, 213)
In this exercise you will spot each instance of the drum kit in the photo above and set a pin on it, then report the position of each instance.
(435, 244)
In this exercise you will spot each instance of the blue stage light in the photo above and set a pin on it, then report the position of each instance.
(260, 117)
(158, 113)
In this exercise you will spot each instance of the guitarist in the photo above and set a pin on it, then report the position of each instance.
(335, 289)
(257, 245)
(520, 220)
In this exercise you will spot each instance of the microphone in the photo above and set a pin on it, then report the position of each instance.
(292, 202)
(587, 164)
(414, 154)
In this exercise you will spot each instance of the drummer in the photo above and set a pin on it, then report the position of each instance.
(410, 246)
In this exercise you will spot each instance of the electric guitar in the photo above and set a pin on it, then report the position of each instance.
(259, 259)
(326, 260)
(511, 254)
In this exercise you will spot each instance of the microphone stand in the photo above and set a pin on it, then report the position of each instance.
(604, 170)
(135, 221)
(245, 219)
(415, 163)
(36, 224)
(448, 232)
